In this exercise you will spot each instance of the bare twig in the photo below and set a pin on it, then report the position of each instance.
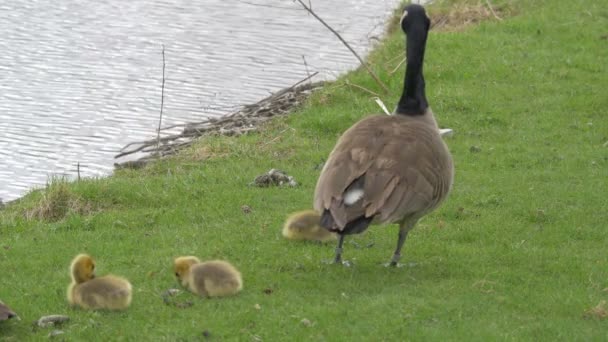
(347, 46)
(398, 65)
(306, 66)
(243, 121)
(362, 88)
(162, 101)
(278, 136)
(492, 10)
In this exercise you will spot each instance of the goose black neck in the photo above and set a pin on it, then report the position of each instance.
(413, 100)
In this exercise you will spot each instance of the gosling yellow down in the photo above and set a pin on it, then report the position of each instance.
(216, 278)
(88, 292)
(305, 226)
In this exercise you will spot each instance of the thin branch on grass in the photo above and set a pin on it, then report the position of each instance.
(278, 136)
(492, 10)
(361, 88)
(398, 65)
(162, 101)
(372, 74)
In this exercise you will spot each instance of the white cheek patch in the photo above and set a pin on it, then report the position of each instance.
(402, 17)
(352, 196)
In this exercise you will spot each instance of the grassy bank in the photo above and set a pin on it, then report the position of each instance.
(518, 251)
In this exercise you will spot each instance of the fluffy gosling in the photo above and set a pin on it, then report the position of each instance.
(305, 226)
(214, 278)
(88, 292)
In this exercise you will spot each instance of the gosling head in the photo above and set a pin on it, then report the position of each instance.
(414, 16)
(82, 268)
(182, 266)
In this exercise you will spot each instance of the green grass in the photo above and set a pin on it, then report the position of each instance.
(518, 251)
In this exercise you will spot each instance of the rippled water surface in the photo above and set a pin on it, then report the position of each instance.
(81, 79)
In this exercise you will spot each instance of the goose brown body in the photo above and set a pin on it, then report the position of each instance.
(388, 169)
(403, 164)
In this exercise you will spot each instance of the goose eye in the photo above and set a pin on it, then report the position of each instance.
(177, 274)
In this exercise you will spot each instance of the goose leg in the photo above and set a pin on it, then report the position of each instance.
(404, 228)
(338, 258)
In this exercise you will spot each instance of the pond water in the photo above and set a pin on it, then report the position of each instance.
(81, 79)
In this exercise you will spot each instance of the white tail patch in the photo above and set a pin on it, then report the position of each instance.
(446, 132)
(352, 196)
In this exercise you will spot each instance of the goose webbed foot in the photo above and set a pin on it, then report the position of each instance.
(394, 261)
(338, 258)
(344, 263)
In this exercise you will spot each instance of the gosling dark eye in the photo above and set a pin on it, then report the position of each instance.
(177, 274)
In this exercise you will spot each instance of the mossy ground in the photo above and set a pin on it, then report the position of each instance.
(518, 251)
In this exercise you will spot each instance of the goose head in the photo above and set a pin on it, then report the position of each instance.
(181, 267)
(82, 268)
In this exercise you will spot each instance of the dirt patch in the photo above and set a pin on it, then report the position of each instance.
(460, 16)
(456, 17)
(599, 311)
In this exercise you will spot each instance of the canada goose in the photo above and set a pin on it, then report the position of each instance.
(88, 292)
(305, 225)
(214, 278)
(388, 169)
(6, 312)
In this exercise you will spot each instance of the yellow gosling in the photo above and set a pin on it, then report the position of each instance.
(304, 225)
(214, 278)
(88, 292)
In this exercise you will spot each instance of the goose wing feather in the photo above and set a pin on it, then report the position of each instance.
(405, 167)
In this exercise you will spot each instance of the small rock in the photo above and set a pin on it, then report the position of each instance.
(246, 209)
(306, 322)
(475, 149)
(51, 320)
(257, 307)
(55, 333)
(169, 299)
(206, 334)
